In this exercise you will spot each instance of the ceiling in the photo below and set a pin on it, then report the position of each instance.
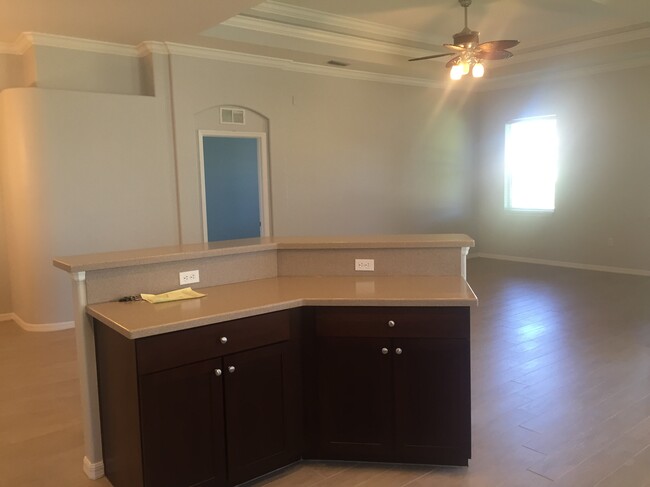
(375, 36)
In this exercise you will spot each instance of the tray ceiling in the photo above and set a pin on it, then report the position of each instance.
(375, 36)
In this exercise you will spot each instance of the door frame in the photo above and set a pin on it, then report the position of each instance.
(262, 176)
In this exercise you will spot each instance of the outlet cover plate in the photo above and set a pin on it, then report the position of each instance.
(364, 264)
(188, 277)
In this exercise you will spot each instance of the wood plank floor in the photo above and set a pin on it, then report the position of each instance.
(560, 390)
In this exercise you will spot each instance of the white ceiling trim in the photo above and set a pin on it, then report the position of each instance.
(52, 40)
(18, 47)
(152, 47)
(544, 76)
(289, 65)
(26, 40)
(568, 46)
(317, 35)
(340, 21)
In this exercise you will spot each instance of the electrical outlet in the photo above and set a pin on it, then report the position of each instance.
(188, 277)
(364, 264)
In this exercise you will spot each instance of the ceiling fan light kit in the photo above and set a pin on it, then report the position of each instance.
(469, 54)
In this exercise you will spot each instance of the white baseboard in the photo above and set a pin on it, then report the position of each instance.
(559, 263)
(94, 471)
(62, 325)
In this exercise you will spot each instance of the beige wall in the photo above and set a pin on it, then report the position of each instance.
(604, 159)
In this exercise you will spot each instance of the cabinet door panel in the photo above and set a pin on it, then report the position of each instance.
(432, 400)
(182, 427)
(354, 398)
(261, 411)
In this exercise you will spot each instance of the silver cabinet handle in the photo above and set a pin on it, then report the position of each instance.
(217, 372)
(398, 351)
(391, 323)
(231, 369)
(384, 351)
(223, 340)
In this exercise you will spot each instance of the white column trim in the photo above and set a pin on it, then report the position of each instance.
(94, 471)
(463, 261)
(93, 464)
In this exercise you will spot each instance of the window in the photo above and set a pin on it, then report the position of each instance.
(531, 164)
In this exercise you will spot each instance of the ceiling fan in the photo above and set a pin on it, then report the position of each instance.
(469, 53)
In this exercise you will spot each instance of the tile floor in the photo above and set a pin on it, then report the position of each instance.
(560, 391)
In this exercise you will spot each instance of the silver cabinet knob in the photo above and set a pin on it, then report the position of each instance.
(231, 369)
(217, 372)
(384, 351)
(398, 351)
(391, 323)
(223, 339)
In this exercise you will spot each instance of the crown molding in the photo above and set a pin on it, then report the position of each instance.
(289, 65)
(545, 75)
(339, 21)
(640, 31)
(318, 35)
(17, 47)
(28, 39)
(569, 46)
(65, 42)
(151, 47)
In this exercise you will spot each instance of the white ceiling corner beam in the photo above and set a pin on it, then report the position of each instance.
(317, 35)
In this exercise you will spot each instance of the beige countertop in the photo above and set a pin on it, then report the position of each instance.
(232, 301)
(174, 253)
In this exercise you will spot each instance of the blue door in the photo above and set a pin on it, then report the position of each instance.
(232, 191)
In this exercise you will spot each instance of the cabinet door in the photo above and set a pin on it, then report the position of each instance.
(354, 399)
(432, 400)
(182, 427)
(262, 411)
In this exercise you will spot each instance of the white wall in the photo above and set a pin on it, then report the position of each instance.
(5, 287)
(604, 159)
(82, 173)
(87, 172)
(346, 156)
(71, 69)
(90, 172)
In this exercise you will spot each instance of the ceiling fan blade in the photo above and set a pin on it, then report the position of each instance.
(490, 46)
(453, 62)
(431, 57)
(454, 47)
(493, 55)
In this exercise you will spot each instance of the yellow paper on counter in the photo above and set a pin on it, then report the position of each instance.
(177, 295)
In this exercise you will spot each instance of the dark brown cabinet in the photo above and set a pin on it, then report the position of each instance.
(217, 405)
(262, 411)
(354, 399)
(183, 428)
(392, 384)
(213, 422)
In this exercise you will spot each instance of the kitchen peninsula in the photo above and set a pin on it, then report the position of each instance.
(284, 358)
